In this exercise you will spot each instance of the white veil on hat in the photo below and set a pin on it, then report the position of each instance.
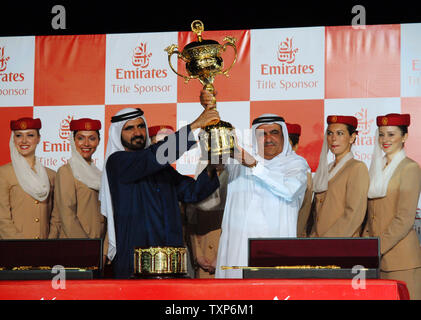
(89, 174)
(35, 183)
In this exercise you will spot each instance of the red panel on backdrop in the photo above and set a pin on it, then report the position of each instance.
(69, 70)
(7, 114)
(362, 63)
(308, 113)
(205, 289)
(412, 145)
(234, 88)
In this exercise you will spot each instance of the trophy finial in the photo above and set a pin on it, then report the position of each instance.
(197, 27)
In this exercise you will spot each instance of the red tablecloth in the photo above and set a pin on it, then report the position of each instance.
(204, 289)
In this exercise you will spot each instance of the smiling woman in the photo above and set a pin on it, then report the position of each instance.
(26, 187)
(77, 184)
(395, 186)
(26, 142)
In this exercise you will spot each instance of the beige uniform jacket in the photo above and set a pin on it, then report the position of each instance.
(392, 217)
(304, 212)
(21, 216)
(78, 207)
(340, 211)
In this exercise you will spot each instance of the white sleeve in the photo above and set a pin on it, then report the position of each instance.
(290, 185)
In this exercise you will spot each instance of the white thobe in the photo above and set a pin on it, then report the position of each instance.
(262, 202)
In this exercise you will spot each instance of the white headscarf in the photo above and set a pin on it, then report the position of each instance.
(35, 183)
(114, 145)
(89, 174)
(323, 174)
(379, 174)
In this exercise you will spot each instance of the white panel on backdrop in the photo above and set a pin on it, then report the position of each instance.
(237, 113)
(17, 60)
(411, 60)
(54, 148)
(137, 69)
(287, 64)
(365, 110)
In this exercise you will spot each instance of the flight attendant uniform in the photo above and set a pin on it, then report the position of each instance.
(26, 214)
(340, 199)
(76, 192)
(391, 213)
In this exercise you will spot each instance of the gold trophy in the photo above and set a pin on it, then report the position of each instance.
(203, 61)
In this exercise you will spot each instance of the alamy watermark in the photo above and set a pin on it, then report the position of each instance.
(359, 20)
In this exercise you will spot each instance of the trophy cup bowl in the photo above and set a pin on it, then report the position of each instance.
(203, 61)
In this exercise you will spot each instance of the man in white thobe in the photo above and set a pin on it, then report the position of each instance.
(265, 192)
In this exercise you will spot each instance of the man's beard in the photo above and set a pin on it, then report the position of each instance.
(136, 143)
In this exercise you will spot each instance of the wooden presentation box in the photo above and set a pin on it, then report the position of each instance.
(316, 258)
(35, 259)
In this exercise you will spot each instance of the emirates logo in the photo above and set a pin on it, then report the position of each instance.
(3, 60)
(141, 56)
(286, 51)
(23, 125)
(64, 130)
(364, 124)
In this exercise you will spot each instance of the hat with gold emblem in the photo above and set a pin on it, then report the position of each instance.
(85, 124)
(25, 123)
(394, 119)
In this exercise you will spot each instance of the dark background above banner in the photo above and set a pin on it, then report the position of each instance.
(99, 17)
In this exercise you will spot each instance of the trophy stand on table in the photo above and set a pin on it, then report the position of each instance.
(203, 62)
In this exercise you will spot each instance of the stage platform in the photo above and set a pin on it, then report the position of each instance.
(203, 289)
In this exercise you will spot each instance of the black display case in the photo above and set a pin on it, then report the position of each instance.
(313, 258)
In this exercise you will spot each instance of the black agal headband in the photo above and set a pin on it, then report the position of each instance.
(127, 116)
(267, 119)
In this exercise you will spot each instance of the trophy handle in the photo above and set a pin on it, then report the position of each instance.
(230, 42)
(172, 49)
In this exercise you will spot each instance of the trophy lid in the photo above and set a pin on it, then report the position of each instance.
(197, 27)
(200, 43)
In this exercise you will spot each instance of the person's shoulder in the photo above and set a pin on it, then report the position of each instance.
(357, 165)
(116, 156)
(354, 163)
(410, 165)
(6, 169)
(6, 166)
(65, 171)
(299, 159)
(64, 168)
(409, 162)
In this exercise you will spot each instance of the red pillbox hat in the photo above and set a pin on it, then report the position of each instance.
(25, 123)
(163, 129)
(293, 128)
(350, 120)
(394, 119)
(85, 124)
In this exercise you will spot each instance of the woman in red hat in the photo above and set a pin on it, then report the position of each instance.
(78, 182)
(340, 199)
(158, 133)
(26, 187)
(395, 186)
